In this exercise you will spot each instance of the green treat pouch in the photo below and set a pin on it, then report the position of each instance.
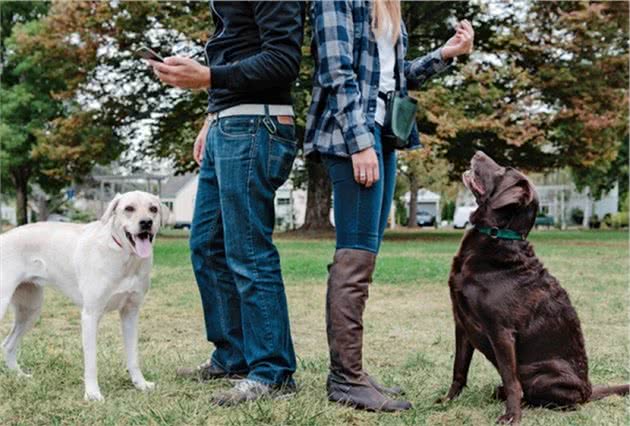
(400, 116)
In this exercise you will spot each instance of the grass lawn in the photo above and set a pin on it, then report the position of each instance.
(409, 341)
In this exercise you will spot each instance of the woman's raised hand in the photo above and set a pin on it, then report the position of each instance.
(365, 166)
(461, 43)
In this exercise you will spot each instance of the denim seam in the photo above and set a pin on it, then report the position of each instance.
(208, 263)
(253, 158)
(357, 212)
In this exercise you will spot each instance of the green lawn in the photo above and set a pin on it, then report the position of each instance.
(409, 341)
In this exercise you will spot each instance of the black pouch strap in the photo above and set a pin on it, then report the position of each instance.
(384, 96)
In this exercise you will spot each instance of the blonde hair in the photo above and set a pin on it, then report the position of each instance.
(384, 11)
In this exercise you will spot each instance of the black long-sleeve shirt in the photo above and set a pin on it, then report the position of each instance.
(254, 54)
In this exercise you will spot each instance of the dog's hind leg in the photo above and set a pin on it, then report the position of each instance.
(9, 280)
(553, 383)
(27, 303)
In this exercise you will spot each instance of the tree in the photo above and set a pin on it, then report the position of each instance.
(551, 93)
(162, 122)
(23, 109)
(47, 137)
(422, 169)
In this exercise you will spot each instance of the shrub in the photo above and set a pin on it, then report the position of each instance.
(577, 215)
(80, 216)
(607, 220)
(594, 222)
(619, 220)
(448, 211)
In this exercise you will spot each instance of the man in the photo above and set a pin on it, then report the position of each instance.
(245, 149)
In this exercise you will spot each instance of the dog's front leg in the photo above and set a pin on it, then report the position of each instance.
(89, 328)
(463, 355)
(129, 321)
(504, 347)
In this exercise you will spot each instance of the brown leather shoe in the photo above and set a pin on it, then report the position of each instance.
(207, 371)
(349, 277)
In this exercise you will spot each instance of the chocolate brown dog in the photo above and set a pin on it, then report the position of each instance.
(509, 307)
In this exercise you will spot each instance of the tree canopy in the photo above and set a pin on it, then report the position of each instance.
(546, 87)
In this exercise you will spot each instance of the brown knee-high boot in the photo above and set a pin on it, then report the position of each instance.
(348, 282)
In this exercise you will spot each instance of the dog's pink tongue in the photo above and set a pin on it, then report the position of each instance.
(143, 247)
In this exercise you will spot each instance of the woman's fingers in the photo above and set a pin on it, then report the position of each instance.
(369, 181)
(357, 172)
(365, 167)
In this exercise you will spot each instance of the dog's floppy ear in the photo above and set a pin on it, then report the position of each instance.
(518, 191)
(109, 211)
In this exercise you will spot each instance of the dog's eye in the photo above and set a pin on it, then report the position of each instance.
(153, 209)
(129, 209)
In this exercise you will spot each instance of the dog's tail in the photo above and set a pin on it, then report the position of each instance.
(600, 392)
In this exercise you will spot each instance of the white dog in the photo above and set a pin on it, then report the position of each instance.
(102, 266)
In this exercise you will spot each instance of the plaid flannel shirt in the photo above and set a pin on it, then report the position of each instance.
(340, 119)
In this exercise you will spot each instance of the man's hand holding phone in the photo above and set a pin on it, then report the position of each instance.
(181, 72)
(177, 71)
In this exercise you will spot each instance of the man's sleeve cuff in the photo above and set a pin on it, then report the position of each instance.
(220, 75)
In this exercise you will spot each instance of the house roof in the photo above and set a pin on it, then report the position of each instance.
(424, 196)
(174, 184)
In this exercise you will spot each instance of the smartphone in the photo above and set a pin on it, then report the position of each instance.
(146, 53)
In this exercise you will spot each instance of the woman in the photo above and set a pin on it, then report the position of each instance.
(360, 48)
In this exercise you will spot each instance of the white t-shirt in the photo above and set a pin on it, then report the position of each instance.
(387, 59)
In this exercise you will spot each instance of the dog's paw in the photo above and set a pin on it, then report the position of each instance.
(442, 400)
(509, 419)
(145, 386)
(93, 396)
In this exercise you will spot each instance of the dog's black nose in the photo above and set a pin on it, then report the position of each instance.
(146, 225)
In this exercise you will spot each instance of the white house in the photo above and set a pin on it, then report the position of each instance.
(179, 192)
(8, 214)
(290, 206)
(427, 201)
(559, 200)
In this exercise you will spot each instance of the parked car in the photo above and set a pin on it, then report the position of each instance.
(55, 217)
(182, 225)
(424, 218)
(461, 218)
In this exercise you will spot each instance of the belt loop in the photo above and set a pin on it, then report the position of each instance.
(268, 122)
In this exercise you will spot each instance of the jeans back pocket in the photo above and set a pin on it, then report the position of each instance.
(282, 151)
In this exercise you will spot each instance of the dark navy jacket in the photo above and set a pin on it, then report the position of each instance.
(254, 54)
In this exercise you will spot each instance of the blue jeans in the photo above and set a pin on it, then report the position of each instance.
(361, 213)
(236, 264)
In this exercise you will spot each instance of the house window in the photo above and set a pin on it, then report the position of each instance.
(284, 201)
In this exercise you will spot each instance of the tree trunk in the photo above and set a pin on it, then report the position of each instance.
(42, 208)
(412, 221)
(20, 181)
(318, 201)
